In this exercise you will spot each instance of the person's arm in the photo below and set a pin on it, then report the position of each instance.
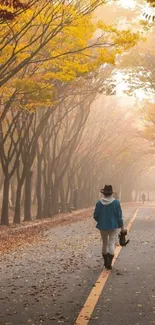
(120, 217)
(96, 212)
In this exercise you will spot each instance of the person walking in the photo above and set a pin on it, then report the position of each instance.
(108, 215)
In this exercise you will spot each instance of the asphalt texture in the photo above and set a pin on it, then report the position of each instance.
(48, 283)
(129, 294)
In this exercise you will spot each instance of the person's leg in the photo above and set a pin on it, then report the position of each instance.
(104, 236)
(117, 238)
(112, 238)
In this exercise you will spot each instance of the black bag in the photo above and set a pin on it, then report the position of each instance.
(122, 238)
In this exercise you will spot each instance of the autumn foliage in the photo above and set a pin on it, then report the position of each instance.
(10, 8)
(52, 66)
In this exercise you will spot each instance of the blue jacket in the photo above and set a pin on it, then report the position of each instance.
(108, 214)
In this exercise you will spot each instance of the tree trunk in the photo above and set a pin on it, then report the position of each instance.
(136, 196)
(27, 203)
(55, 198)
(62, 199)
(5, 204)
(1, 182)
(38, 192)
(46, 203)
(22, 198)
(13, 193)
(148, 196)
(18, 204)
(127, 194)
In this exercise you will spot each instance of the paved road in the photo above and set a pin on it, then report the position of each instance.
(129, 295)
(49, 283)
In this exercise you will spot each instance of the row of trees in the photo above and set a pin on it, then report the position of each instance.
(76, 148)
(52, 138)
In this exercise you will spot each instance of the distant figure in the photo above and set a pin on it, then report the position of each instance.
(143, 198)
(75, 198)
(108, 215)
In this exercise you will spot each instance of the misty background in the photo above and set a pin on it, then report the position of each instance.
(95, 136)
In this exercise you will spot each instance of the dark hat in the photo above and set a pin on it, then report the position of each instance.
(107, 189)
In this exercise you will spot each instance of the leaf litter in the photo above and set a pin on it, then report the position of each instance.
(30, 233)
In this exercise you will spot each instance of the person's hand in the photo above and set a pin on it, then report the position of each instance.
(124, 231)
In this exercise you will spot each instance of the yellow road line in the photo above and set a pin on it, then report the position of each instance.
(89, 306)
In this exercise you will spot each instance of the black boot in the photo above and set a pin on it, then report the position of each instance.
(109, 264)
(105, 257)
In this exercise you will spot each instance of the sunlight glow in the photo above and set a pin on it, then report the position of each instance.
(128, 4)
(140, 94)
(123, 86)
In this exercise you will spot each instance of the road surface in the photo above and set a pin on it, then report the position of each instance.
(61, 280)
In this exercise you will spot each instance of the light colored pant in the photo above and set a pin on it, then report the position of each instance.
(109, 240)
